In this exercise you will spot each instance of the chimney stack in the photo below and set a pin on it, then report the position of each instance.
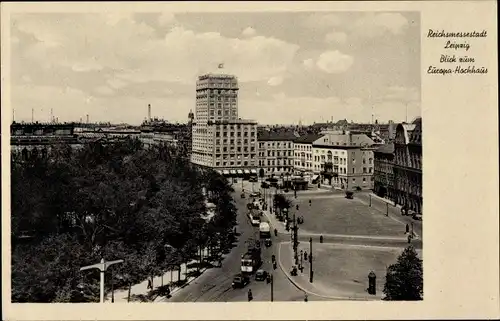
(87, 118)
(149, 112)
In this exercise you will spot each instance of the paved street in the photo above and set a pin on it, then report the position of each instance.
(214, 285)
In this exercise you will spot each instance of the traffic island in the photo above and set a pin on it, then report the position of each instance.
(340, 272)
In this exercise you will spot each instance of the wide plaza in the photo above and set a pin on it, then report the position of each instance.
(342, 270)
(328, 212)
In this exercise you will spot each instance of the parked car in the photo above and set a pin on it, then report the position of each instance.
(417, 216)
(260, 275)
(255, 194)
(253, 179)
(349, 195)
(239, 281)
(242, 195)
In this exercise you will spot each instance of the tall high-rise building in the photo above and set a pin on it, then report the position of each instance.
(222, 140)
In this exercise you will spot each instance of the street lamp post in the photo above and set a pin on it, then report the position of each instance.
(310, 260)
(301, 261)
(102, 266)
(272, 287)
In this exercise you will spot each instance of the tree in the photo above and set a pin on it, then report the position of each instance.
(108, 200)
(282, 202)
(404, 279)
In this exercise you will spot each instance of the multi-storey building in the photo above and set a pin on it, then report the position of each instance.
(222, 140)
(303, 152)
(408, 165)
(276, 152)
(383, 175)
(344, 160)
(39, 138)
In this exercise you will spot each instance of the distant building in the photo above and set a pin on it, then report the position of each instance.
(220, 139)
(276, 152)
(383, 175)
(344, 161)
(28, 138)
(408, 165)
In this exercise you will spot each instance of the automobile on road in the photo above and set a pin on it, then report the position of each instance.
(242, 195)
(261, 275)
(239, 281)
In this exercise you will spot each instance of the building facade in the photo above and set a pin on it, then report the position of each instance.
(383, 175)
(408, 166)
(220, 139)
(303, 154)
(344, 161)
(276, 152)
(39, 138)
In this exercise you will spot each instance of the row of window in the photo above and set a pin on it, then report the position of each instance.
(304, 155)
(232, 148)
(237, 163)
(276, 154)
(232, 141)
(234, 156)
(303, 147)
(303, 164)
(276, 144)
(232, 134)
(272, 162)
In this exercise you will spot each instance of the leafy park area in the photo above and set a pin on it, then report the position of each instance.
(72, 207)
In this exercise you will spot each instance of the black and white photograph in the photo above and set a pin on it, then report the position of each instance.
(219, 157)
(216, 157)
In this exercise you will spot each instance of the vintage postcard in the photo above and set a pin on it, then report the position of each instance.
(266, 159)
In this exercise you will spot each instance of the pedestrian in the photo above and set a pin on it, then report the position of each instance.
(305, 297)
(407, 228)
(250, 296)
(149, 284)
(305, 255)
(409, 238)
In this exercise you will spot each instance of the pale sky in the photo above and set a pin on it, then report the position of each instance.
(291, 66)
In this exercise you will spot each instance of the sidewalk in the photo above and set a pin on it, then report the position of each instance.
(317, 288)
(139, 292)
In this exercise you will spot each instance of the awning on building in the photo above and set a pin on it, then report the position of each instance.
(239, 171)
(218, 171)
(232, 172)
(315, 177)
(247, 171)
(253, 171)
(225, 172)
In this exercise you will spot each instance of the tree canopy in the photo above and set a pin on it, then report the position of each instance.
(404, 279)
(114, 201)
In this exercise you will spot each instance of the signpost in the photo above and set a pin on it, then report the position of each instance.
(102, 266)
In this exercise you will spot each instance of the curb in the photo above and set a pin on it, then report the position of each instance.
(180, 288)
(295, 283)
